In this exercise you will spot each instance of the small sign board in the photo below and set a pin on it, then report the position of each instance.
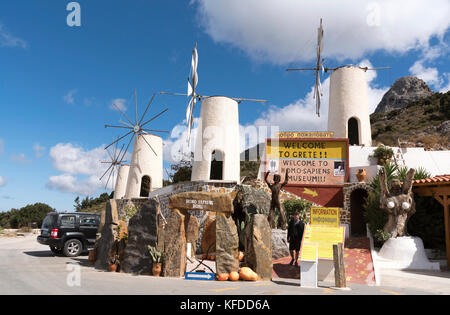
(309, 252)
(325, 216)
(325, 237)
(206, 276)
(208, 201)
(305, 134)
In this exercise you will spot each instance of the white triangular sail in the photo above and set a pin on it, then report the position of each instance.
(192, 95)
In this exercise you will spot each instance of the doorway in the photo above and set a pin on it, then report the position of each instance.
(145, 186)
(216, 165)
(353, 131)
(357, 221)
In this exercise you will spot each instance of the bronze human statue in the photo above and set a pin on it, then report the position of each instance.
(275, 203)
(398, 202)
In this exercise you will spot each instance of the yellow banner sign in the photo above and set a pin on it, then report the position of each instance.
(318, 162)
(309, 252)
(325, 216)
(325, 237)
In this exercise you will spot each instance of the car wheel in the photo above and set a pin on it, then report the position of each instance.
(73, 248)
(55, 250)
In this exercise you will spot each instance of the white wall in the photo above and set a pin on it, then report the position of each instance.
(145, 162)
(121, 183)
(219, 126)
(349, 99)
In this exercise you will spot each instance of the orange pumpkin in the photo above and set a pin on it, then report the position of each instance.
(247, 274)
(234, 276)
(212, 257)
(222, 276)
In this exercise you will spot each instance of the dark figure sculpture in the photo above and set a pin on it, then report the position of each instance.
(398, 202)
(275, 203)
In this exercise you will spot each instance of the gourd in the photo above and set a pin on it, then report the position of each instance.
(234, 276)
(222, 276)
(248, 274)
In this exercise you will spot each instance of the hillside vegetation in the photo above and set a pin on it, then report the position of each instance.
(423, 123)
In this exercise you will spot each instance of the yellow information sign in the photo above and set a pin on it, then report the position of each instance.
(325, 237)
(304, 134)
(309, 252)
(325, 216)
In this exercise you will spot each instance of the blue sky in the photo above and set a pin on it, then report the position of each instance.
(57, 83)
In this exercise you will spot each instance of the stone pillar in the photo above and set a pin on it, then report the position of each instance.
(258, 246)
(192, 227)
(227, 244)
(105, 243)
(174, 263)
(142, 232)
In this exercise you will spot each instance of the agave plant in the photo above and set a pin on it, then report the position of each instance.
(156, 255)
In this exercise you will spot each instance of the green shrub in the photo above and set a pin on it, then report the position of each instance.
(383, 154)
(300, 205)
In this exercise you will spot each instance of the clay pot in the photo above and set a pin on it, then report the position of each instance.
(156, 269)
(92, 256)
(361, 175)
(112, 267)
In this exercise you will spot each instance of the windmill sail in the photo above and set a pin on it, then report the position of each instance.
(192, 95)
(319, 66)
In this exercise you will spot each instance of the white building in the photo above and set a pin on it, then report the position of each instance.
(146, 169)
(348, 113)
(216, 155)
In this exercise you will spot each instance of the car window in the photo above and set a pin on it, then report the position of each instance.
(88, 220)
(68, 220)
(49, 221)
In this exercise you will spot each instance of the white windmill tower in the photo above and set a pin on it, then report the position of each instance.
(115, 164)
(348, 113)
(216, 152)
(145, 173)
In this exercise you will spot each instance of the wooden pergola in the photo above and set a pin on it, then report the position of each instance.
(439, 188)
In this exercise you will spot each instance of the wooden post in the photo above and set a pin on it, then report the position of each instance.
(339, 266)
(447, 227)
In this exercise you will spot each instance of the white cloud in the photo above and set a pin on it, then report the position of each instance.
(9, 40)
(71, 184)
(19, 158)
(72, 159)
(69, 97)
(3, 181)
(429, 75)
(285, 31)
(81, 169)
(446, 88)
(120, 103)
(38, 150)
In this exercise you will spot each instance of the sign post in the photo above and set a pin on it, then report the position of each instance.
(308, 266)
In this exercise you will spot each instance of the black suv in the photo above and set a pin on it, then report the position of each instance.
(69, 233)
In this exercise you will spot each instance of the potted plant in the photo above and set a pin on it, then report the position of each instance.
(383, 154)
(157, 258)
(113, 263)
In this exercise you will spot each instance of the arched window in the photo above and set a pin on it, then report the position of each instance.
(216, 165)
(353, 131)
(145, 186)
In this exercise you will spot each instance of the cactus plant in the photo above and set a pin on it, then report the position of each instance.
(157, 257)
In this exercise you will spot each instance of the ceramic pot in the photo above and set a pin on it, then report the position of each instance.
(112, 267)
(156, 269)
(361, 175)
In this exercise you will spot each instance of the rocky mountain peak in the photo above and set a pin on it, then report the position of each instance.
(403, 92)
